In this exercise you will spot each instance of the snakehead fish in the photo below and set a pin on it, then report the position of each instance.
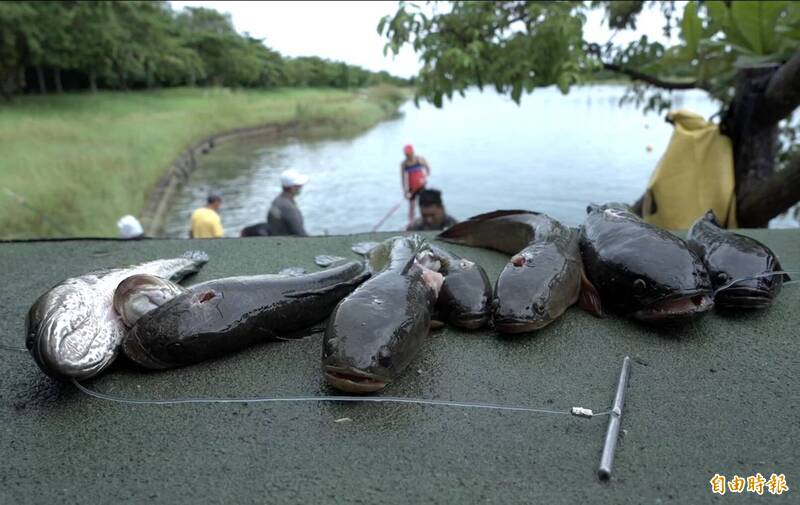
(640, 270)
(376, 331)
(739, 266)
(224, 315)
(544, 275)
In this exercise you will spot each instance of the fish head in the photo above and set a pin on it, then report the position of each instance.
(139, 294)
(166, 335)
(670, 285)
(466, 295)
(64, 334)
(748, 276)
(535, 287)
(373, 333)
(641, 270)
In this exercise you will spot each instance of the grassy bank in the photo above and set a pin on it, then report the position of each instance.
(75, 163)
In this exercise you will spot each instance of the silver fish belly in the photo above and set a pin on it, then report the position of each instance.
(72, 330)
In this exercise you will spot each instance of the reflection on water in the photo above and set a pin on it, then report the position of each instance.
(553, 154)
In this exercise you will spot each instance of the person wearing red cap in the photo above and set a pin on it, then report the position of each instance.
(414, 172)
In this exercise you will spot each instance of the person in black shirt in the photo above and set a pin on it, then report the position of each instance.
(433, 214)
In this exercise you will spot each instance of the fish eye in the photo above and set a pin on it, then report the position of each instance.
(639, 285)
(722, 277)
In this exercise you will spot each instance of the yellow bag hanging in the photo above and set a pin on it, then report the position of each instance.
(695, 174)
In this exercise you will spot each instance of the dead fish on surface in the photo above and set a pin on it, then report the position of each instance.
(225, 315)
(544, 275)
(376, 331)
(73, 331)
(641, 270)
(465, 299)
(326, 260)
(738, 265)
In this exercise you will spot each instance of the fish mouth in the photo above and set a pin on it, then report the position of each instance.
(517, 325)
(743, 298)
(471, 320)
(676, 309)
(351, 380)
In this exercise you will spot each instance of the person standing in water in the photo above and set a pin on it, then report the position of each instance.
(414, 172)
(284, 217)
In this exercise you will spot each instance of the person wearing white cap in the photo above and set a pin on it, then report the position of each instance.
(129, 227)
(284, 217)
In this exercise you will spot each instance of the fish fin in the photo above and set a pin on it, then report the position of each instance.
(419, 245)
(363, 248)
(327, 260)
(198, 256)
(436, 325)
(712, 218)
(293, 271)
(589, 298)
(458, 230)
(355, 281)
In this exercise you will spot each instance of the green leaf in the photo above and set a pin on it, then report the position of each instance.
(437, 99)
(717, 15)
(516, 92)
(756, 22)
(691, 28)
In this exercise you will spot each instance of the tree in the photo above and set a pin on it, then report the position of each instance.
(744, 54)
(20, 42)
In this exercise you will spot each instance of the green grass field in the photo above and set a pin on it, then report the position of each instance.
(71, 165)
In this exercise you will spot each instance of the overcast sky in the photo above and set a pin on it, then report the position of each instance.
(347, 31)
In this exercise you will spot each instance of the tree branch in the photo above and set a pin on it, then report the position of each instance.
(769, 197)
(782, 95)
(650, 79)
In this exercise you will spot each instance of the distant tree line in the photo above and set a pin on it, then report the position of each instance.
(72, 45)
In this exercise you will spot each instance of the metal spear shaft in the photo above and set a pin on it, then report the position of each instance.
(615, 419)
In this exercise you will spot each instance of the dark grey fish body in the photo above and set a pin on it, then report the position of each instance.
(225, 315)
(465, 299)
(73, 331)
(641, 270)
(376, 331)
(730, 257)
(544, 275)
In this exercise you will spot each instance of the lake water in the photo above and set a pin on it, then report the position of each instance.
(553, 154)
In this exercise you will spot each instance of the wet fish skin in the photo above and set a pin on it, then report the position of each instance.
(376, 331)
(730, 256)
(544, 275)
(640, 270)
(465, 299)
(139, 294)
(72, 330)
(224, 315)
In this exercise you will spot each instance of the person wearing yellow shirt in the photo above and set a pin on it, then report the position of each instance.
(205, 220)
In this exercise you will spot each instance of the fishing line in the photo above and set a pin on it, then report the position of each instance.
(575, 411)
(758, 276)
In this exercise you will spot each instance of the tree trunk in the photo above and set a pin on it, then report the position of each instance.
(764, 96)
(93, 82)
(40, 78)
(57, 80)
(755, 143)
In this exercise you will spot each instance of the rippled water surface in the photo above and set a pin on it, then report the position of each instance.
(554, 154)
